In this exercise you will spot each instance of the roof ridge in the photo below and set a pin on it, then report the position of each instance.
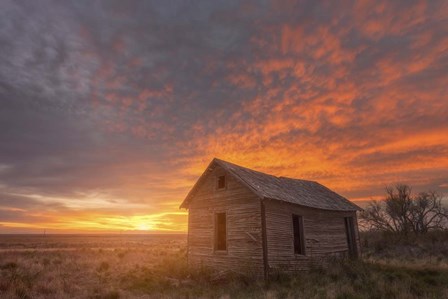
(246, 168)
(296, 191)
(225, 164)
(295, 179)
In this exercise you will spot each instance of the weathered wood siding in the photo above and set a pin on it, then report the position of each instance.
(324, 232)
(242, 207)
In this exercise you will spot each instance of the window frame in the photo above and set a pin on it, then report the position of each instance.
(301, 249)
(218, 177)
(216, 237)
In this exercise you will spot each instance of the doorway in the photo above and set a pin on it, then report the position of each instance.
(351, 237)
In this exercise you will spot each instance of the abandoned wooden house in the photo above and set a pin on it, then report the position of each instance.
(244, 220)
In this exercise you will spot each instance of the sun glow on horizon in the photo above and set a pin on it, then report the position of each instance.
(157, 222)
(144, 227)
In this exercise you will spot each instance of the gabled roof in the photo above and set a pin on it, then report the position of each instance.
(266, 186)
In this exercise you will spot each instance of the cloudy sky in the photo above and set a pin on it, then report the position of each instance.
(110, 110)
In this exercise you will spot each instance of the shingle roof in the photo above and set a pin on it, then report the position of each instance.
(301, 192)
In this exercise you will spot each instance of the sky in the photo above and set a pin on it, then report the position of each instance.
(111, 110)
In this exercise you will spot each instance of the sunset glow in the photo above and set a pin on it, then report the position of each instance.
(108, 119)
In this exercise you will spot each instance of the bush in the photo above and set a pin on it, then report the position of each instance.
(104, 266)
(8, 266)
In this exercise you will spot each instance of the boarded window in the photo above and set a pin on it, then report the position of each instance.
(299, 240)
(221, 182)
(220, 231)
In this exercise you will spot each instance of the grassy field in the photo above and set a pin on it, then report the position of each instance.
(154, 266)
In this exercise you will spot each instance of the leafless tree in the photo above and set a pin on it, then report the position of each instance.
(428, 213)
(401, 212)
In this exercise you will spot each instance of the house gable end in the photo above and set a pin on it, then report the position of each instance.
(214, 165)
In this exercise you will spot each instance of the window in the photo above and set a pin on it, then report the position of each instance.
(220, 231)
(221, 182)
(299, 240)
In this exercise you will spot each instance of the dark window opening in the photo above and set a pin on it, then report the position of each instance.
(299, 240)
(221, 232)
(351, 239)
(221, 182)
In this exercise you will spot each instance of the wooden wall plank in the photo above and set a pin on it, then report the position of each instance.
(242, 207)
(324, 232)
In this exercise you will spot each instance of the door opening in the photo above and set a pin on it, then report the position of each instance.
(351, 237)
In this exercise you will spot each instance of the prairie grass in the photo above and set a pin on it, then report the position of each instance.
(152, 267)
(429, 250)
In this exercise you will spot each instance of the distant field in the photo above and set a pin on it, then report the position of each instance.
(154, 266)
(106, 241)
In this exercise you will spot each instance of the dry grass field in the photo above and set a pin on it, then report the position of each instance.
(154, 266)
